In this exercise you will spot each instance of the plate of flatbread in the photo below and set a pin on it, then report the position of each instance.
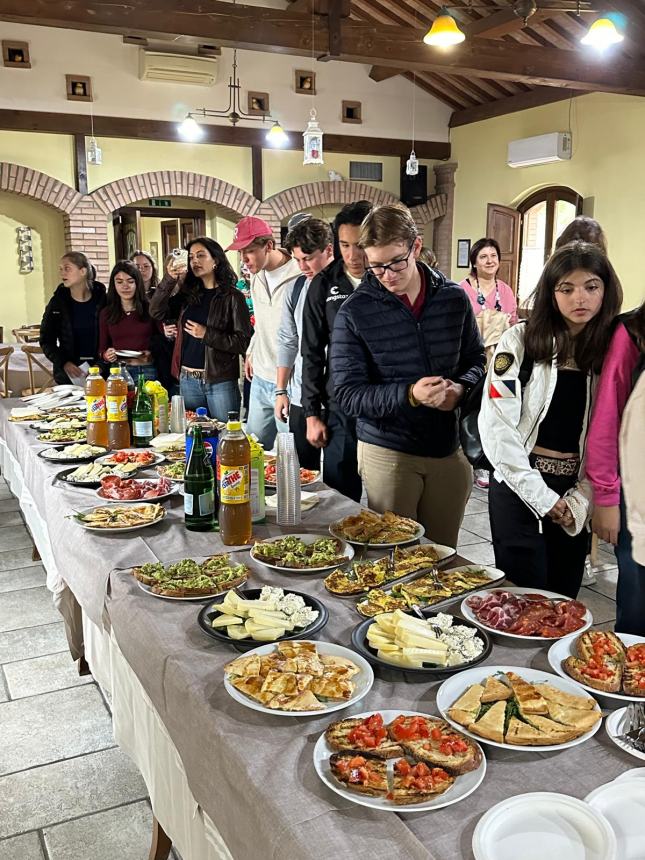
(514, 707)
(298, 678)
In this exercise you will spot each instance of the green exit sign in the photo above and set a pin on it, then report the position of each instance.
(160, 202)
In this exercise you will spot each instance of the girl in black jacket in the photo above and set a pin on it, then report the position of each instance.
(69, 328)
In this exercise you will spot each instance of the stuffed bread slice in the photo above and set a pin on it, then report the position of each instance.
(566, 700)
(367, 776)
(581, 719)
(491, 725)
(367, 736)
(464, 711)
(523, 735)
(495, 690)
(605, 676)
(555, 732)
(415, 783)
(602, 644)
(528, 697)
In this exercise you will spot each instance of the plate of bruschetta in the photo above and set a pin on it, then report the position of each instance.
(394, 760)
(609, 665)
(516, 707)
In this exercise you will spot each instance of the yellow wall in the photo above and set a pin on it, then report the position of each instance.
(23, 297)
(284, 168)
(53, 154)
(607, 165)
(128, 157)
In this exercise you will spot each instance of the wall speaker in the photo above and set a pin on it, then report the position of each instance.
(414, 189)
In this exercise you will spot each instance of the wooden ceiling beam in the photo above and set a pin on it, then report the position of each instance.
(499, 24)
(384, 73)
(436, 86)
(262, 29)
(148, 129)
(522, 101)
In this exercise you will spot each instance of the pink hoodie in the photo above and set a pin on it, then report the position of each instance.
(602, 461)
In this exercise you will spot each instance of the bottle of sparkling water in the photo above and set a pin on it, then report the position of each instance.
(199, 486)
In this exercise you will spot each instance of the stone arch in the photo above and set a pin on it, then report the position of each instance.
(18, 179)
(176, 183)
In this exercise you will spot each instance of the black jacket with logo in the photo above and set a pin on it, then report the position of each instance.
(57, 334)
(325, 295)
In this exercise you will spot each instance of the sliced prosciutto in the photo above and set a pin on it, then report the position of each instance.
(528, 614)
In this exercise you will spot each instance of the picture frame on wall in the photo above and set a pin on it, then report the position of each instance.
(78, 88)
(154, 251)
(463, 253)
(305, 82)
(15, 55)
(258, 104)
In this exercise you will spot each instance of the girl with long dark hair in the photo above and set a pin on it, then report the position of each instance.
(623, 365)
(148, 268)
(126, 328)
(212, 328)
(69, 331)
(534, 435)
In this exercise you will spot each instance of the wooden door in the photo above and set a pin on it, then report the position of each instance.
(170, 235)
(503, 225)
(127, 233)
(192, 228)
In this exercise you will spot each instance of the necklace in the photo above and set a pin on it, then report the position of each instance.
(481, 298)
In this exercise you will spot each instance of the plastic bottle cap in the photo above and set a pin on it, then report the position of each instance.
(202, 411)
(114, 371)
(233, 425)
(94, 370)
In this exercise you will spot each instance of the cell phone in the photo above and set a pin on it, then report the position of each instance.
(180, 255)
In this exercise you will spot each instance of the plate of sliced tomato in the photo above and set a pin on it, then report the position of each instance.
(307, 476)
(141, 457)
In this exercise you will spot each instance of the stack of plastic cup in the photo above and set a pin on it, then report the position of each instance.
(177, 414)
(288, 481)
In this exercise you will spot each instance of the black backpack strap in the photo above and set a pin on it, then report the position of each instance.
(297, 290)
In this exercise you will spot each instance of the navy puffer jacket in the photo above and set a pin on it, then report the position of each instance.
(378, 349)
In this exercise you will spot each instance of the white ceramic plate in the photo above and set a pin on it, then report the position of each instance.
(453, 687)
(541, 825)
(57, 442)
(159, 458)
(137, 481)
(564, 648)
(129, 353)
(623, 805)
(307, 501)
(419, 533)
(196, 599)
(468, 613)
(49, 454)
(616, 724)
(121, 529)
(461, 788)
(346, 549)
(633, 773)
(363, 681)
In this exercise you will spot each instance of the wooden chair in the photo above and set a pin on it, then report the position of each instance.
(32, 363)
(26, 334)
(5, 354)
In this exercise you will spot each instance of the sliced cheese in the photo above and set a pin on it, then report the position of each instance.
(226, 620)
(269, 635)
(237, 632)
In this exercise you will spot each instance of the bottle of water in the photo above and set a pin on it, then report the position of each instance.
(288, 481)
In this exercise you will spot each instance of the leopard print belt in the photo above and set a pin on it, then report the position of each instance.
(557, 466)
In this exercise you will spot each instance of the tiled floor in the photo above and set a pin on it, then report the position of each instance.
(66, 791)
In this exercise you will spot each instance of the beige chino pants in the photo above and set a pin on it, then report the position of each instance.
(432, 490)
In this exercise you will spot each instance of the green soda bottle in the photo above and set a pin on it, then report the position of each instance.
(199, 486)
(142, 417)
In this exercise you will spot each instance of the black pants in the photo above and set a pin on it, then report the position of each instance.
(308, 456)
(550, 560)
(340, 462)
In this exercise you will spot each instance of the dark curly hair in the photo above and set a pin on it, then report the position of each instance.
(224, 274)
(478, 247)
(113, 305)
(546, 324)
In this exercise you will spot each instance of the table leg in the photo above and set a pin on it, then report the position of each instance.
(161, 842)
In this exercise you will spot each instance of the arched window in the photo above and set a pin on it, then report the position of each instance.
(544, 214)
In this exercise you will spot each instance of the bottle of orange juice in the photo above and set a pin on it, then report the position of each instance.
(118, 428)
(234, 458)
(97, 430)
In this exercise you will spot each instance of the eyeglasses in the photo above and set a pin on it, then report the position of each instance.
(395, 266)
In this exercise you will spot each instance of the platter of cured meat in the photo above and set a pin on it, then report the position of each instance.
(525, 613)
(135, 489)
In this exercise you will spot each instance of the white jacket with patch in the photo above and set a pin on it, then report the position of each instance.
(509, 424)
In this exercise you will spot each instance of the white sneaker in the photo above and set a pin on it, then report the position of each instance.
(588, 577)
(481, 479)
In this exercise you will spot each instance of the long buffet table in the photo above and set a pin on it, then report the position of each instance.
(226, 781)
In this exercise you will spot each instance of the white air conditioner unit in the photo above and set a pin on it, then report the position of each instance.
(177, 68)
(542, 149)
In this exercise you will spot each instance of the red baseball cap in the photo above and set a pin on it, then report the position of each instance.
(247, 231)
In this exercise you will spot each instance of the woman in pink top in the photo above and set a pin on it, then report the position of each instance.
(493, 302)
(624, 361)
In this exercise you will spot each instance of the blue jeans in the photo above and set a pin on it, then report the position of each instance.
(630, 590)
(149, 371)
(261, 419)
(219, 398)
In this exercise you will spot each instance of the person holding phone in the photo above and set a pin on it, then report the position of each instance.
(208, 318)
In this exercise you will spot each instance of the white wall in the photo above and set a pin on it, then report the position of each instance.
(113, 68)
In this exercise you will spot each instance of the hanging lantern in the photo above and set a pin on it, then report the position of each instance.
(313, 136)
(412, 165)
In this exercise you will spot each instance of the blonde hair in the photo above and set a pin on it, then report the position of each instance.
(387, 225)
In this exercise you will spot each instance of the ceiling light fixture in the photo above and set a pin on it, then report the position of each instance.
(444, 31)
(276, 135)
(602, 34)
(190, 129)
